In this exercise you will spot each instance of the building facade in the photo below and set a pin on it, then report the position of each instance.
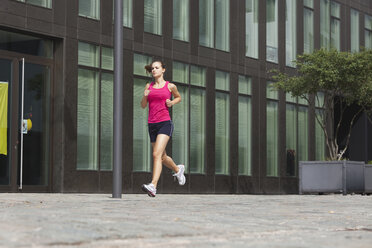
(233, 133)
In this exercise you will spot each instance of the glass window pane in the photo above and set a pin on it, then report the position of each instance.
(335, 9)
(141, 140)
(302, 133)
(27, 44)
(153, 15)
(87, 120)
(107, 116)
(127, 13)
(272, 31)
(223, 25)
(368, 39)
(271, 92)
(180, 134)
(335, 34)
(181, 20)
(251, 28)
(290, 98)
(354, 28)
(309, 3)
(222, 80)
(272, 138)
(303, 101)
(319, 137)
(89, 8)
(325, 20)
(368, 22)
(308, 31)
(180, 72)
(197, 75)
(139, 64)
(42, 3)
(319, 100)
(290, 32)
(245, 85)
(197, 129)
(291, 139)
(88, 55)
(245, 127)
(206, 23)
(222, 133)
(107, 58)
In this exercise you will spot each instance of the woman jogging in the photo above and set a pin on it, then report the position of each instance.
(158, 96)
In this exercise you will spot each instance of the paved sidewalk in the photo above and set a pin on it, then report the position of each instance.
(97, 220)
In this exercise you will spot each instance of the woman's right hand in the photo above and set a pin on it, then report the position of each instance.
(146, 92)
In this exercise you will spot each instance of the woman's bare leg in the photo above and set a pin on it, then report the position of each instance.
(157, 153)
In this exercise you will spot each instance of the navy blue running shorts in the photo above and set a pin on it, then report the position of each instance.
(164, 127)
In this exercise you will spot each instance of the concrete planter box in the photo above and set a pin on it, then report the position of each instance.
(331, 177)
(368, 179)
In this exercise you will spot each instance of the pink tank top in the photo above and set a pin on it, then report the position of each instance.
(158, 110)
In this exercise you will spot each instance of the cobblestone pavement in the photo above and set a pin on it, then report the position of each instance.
(97, 220)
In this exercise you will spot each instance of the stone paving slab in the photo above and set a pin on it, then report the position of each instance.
(97, 220)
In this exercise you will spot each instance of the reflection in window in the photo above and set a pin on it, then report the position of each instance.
(290, 31)
(244, 125)
(308, 30)
(87, 120)
(89, 8)
(222, 25)
(153, 15)
(251, 28)
(222, 133)
(41, 3)
(180, 133)
(354, 30)
(291, 139)
(197, 128)
(272, 31)
(141, 140)
(181, 20)
(368, 31)
(272, 138)
(107, 111)
(302, 133)
(206, 23)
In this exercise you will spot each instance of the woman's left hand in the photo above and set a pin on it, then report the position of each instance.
(169, 103)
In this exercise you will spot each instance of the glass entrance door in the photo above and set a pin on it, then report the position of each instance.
(34, 107)
(24, 125)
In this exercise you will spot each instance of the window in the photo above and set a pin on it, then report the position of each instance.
(189, 117)
(308, 27)
(290, 32)
(181, 20)
(272, 31)
(330, 24)
(251, 28)
(368, 31)
(319, 133)
(95, 108)
(214, 21)
(89, 8)
(271, 131)
(245, 125)
(41, 3)
(222, 136)
(141, 140)
(354, 30)
(303, 133)
(127, 13)
(291, 136)
(152, 18)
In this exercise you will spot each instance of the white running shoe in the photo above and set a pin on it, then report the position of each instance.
(180, 175)
(149, 189)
